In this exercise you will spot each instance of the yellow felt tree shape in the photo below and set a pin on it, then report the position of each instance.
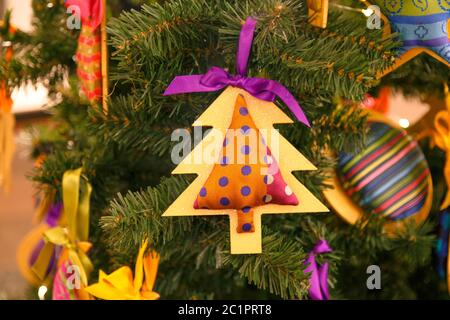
(244, 165)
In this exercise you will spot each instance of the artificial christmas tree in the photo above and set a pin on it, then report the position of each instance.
(128, 150)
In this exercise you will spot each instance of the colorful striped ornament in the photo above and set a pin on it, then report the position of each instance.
(89, 52)
(390, 177)
(420, 23)
(89, 63)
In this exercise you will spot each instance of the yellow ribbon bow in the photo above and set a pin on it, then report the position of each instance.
(442, 140)
(120, 284)
(72, 238)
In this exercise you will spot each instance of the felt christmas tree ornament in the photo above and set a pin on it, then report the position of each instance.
(244, 166)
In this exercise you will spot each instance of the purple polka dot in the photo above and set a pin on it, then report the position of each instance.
(246, 170)
(246, 209)
(269, 179)
(246, 227)
(268, 159)
(245, 149)
(245, 129)
(223, 181)
(224, 201)
(225, 142)
(224, 161)
(245, 191)
(203, 192)
(243, 111)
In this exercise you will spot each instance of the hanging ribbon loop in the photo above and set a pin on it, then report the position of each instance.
(319, 274)
(245, 46)
(217, 78)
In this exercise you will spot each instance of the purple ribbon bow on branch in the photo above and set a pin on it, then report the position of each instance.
(318, 289)
(51, 219)
(217, 78)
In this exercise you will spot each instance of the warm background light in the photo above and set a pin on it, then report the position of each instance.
(41, 292)
(404, 123)
(27, 98)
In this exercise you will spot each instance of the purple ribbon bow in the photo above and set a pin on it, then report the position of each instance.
(318, 289)
(217, 78)
(52, 217)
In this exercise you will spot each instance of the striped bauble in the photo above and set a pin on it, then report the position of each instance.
(389, 177)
